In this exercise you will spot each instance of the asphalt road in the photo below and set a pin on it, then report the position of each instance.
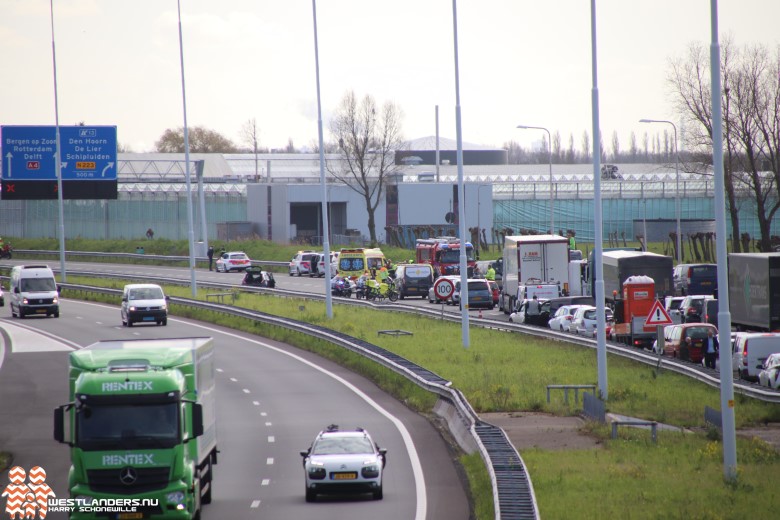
(272, 399)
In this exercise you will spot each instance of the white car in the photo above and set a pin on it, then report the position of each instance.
(584, 322)
(320, 265)
(301, 263)
(770, 372)
(144, 303)
(432, 295)
(563, 317)
(343, 461)
(233, 261)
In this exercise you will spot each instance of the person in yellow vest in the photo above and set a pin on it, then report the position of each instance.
(383, 275)
(491, 273)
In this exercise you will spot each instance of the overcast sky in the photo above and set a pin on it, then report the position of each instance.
(521, 62)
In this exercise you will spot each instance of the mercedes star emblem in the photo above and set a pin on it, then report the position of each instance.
(127, 476)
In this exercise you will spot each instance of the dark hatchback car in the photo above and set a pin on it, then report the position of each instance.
(480, 294)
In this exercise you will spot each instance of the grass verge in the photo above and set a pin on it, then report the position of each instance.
(680, 477)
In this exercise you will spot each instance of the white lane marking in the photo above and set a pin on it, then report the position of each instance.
(234, 379)
(271, 438)
(269, 461)
(256, 403)
(246, 390)
(419, 477)
(220, 370)
(263, 414)
(268, 424)
(255, 504)
(265, 482)
(25, 339)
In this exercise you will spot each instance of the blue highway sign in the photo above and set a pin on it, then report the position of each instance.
(88, 153)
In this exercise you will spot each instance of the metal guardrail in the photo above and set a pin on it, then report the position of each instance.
(136, 256)
(512, 488)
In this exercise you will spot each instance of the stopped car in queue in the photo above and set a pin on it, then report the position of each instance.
(301, 263)
(480, 295)
(343, 461)
(770, 372)
(232, 261)
(563, 317)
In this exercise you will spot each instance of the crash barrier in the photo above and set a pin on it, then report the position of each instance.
(138, 255)
(513, 493)
(594, 408)
(713, 417)
(566, 389)
(221, 296)
(652, 424)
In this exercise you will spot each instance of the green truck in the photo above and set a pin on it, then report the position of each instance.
(142, 428)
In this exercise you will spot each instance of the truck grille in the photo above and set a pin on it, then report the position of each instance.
(127, 480)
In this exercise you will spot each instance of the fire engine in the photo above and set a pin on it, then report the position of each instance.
(443, 253)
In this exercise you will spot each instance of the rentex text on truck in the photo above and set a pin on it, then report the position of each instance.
(533, 257)
(141, 425)
(754, 291)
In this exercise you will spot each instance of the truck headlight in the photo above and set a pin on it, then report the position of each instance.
(176, 497)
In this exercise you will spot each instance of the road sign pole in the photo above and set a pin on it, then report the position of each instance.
(659, 344)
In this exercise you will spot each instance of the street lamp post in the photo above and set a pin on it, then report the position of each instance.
(677, 190)
(549, 149)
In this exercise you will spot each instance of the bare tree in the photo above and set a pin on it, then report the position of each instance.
(368, 138)
(556, 146)
(646, 146)
(751, 113)
(615, 147)
(290, 148)
(251, 136)
(633, 148)
(585, 146)
(516, 154)
(571, 153)
(202, 140)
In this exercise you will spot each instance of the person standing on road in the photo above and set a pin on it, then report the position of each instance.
(210, 254)
(491, 273)
(711, 348)
(532, 310)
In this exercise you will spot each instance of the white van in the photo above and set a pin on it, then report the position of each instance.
(751, 350)
(33, 290)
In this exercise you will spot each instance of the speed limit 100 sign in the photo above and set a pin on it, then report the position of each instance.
(443, 288)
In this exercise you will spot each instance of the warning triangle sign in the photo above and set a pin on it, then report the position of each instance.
(658, 315)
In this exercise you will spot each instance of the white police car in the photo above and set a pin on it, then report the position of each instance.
(343, 461)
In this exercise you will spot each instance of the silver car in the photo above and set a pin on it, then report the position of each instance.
(343, 461)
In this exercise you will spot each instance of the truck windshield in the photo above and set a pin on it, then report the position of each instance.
(452, 256)
(38, 284)
(128, 426)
